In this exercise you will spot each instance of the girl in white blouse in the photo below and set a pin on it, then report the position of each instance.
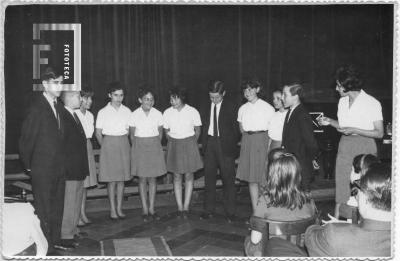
(277, 121)
(87, 120)
(112, 134)
(147, 156)
(360, 121)
(182, 127)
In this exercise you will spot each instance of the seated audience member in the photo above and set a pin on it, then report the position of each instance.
(369, 238)
(281, 199)
(21, 231)
(361, 163)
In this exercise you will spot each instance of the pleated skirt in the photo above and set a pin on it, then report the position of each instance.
(90, 180)
(183, 155)
(349, 147)
(253, 157)
(114, 159)
(147, 157)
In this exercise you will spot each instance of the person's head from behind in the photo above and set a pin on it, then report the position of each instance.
(87, 99)
(216, 91)
(284, 181)
(71, 99)
(292, 94)
(251, 89)
(52, 82)
(146, 98)
(348, 78)
(177, 97)
(375, 195)
(275, 154)
(277, 99)
(116, 93)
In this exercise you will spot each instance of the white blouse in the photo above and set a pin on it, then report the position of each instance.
(362, 113)
(181, 123)
(276, 125)
(255, 116)
(87, 121)
(146, 125)
(113, 122)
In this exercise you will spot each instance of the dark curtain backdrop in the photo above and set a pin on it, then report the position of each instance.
(165, 45)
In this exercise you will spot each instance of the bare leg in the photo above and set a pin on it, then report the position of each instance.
(178, 190)
(84, 218)
(143, 194)
(152, 194)
(337, 212)
(188, 190)
(111, 197)
(253, 188)
(120, 195)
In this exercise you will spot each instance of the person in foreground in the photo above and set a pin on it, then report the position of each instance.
(281, 199)
(369, 238)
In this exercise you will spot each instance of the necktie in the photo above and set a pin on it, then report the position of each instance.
(78, 122)
(215, 122)
(57, 114)
(285, 127)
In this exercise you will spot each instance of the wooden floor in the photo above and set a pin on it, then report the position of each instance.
(185, 237)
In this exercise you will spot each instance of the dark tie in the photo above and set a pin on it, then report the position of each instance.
(57, 114)
(78, 122)
(285, 127)
(215, 131)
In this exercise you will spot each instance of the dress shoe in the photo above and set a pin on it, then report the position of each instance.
(114, 218)
(207, 215)
(185, 214)
(123, 216)
(155, 216)
(145, 218)
(65, 245)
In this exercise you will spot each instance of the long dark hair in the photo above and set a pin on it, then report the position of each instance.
(283, 183)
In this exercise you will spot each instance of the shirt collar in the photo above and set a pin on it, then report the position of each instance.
(69, 110)
(370, 224)
(49, 99)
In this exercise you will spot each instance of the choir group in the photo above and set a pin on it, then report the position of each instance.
(275, 157)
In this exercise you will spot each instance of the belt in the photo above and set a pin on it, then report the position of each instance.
(210, 136)
(254, 132)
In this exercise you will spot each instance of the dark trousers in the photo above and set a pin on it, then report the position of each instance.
(214, 159)
(48, 194)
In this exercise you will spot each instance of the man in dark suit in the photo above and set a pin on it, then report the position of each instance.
(298, 133)
(77, 168)
(219, 138)
(41, 150)
(370, 238)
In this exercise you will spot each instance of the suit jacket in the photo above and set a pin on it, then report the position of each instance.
(298, 137)
(227, 125)
(76, 159)
(369, 238)
(41, 145)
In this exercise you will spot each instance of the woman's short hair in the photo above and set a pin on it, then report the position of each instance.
(86, 93)
(216, 86)
(349, 77)
(144, 91)
(180, 93)
(283, 183)
(251, 83)
(376, 184)
(115, 86)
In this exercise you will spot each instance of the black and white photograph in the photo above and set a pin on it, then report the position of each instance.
(198, 129)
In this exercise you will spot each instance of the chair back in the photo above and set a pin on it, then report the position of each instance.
(291, 230)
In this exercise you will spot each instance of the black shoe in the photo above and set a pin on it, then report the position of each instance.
(179, 214)
(66, 245)
(81, 235)
(207, 215)
(155, 216)
(114, 218)
(146, 218)
(185, 214)
(232, 219)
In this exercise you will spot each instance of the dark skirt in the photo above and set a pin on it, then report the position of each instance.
(147, 157)
(183, 155)
(253, 157)
(349, 147)
(114, 159)
(90, 180)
